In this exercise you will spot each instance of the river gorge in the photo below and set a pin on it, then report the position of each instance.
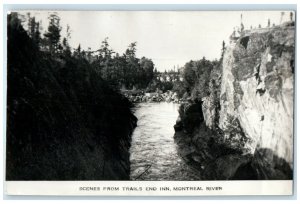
(153, 152)
(73, 116)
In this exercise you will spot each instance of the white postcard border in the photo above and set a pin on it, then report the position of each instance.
(149, 188)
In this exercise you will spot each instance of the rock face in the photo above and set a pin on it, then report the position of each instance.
(249, 112)
(211, 103)
(257, 91)
(63, 121)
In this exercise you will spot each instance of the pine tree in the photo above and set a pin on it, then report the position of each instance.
(33, 29)
(130, 52)
(53, 33)
(65, 42)
(37, 34)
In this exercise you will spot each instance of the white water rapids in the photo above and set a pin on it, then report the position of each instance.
(153, 153)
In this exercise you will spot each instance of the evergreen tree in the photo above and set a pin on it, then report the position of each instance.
(33, 29)
(130, 51)
(65, 42)
(53, 33)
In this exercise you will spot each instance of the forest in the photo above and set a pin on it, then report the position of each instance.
(120, 71)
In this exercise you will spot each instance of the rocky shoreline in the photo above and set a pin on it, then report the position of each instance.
(139, 96)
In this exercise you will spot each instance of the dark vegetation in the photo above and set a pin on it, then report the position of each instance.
(189, 82)
(121, 71)
(196, 77)
(200, 79)
(65, 120)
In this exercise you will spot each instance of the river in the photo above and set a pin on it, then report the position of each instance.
(153, 153)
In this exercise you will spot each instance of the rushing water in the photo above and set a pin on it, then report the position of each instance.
(153, 153)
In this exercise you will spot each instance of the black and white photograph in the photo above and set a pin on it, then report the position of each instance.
(146, 96)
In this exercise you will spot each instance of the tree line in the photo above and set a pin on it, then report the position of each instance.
(125, 70)
(120, 70)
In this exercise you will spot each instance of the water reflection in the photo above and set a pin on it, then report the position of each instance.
(153, 153)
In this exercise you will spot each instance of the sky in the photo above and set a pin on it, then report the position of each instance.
(169, 38)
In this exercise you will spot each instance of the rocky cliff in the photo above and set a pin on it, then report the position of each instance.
(246, 126)
(64, 122)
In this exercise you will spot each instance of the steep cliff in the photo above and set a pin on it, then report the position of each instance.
(63, 121)
(247, 127)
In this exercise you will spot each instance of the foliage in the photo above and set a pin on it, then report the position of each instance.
(53, 34)
(196, 76)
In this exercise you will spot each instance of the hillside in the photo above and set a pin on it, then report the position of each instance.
(64, 122)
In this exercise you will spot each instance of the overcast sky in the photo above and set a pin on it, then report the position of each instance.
(167, 37)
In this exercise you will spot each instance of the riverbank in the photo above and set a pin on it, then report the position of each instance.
(139, 96)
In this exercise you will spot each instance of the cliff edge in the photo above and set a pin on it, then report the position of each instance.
(64, 122)
(245, 125)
